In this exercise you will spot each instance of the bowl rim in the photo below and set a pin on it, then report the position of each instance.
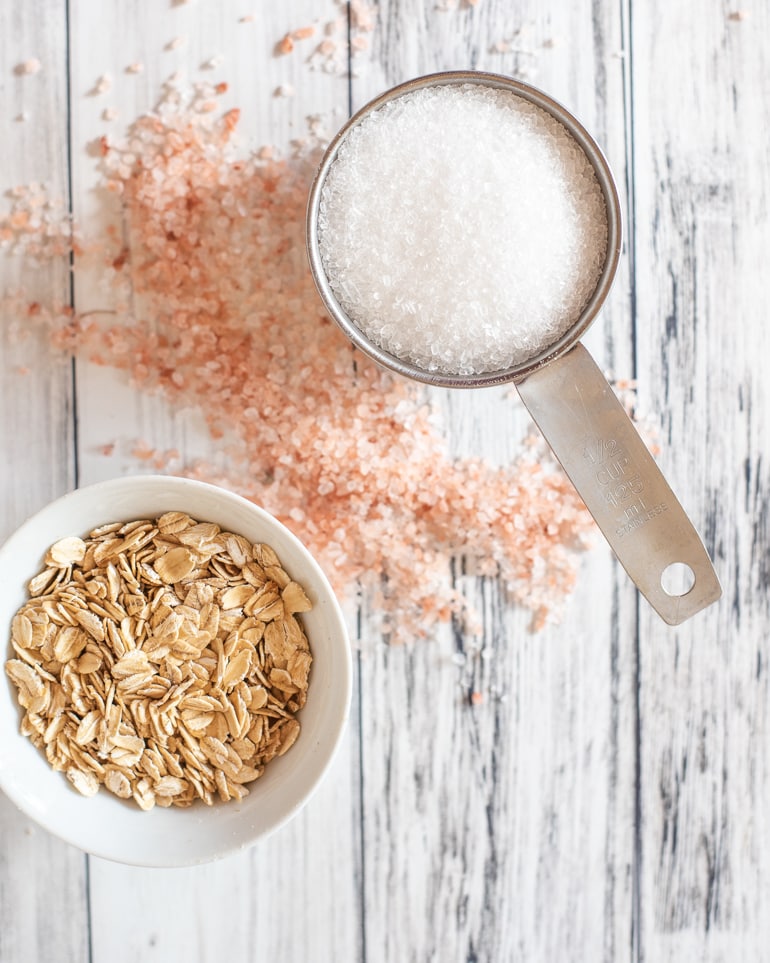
(338, 713)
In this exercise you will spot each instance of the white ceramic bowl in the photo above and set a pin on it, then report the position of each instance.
(105, 825)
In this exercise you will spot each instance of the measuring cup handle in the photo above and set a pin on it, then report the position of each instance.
(619, 481)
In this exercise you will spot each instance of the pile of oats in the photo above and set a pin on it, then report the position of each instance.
(162, 659)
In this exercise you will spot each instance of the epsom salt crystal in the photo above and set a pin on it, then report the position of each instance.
(462, 228)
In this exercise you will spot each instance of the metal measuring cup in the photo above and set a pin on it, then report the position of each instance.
(567, 395)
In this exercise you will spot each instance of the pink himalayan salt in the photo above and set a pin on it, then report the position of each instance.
(330, 55)
(28, 67)
(36, 225)
(343, 453)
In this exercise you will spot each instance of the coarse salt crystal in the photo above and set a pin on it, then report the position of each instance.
(28, 67)
(103, 84)
(362, 15)
(285, 45)
(462, 228)
(135, 68)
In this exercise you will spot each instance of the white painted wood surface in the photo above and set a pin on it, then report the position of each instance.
(613, 804)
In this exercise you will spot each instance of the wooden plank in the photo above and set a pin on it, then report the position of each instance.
(480, 820)
(36, 417)
(43, 912)
(702, 190)
(297, 895)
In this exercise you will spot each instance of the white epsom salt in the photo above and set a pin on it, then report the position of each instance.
(462, 228)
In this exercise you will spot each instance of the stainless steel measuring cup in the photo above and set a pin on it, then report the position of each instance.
(568, 396)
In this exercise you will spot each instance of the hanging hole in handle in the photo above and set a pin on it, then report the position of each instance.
(677, 579)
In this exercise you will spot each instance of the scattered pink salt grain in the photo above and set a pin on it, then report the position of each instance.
(177, 43)
(331, 54)
(102, 85)
(142, 451)
(362, 15)
(342, 452)
(28, 67)
(135, 68)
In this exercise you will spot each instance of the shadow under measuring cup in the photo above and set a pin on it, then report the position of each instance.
(562, 387)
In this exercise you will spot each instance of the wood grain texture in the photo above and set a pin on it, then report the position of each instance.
(702, 189)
